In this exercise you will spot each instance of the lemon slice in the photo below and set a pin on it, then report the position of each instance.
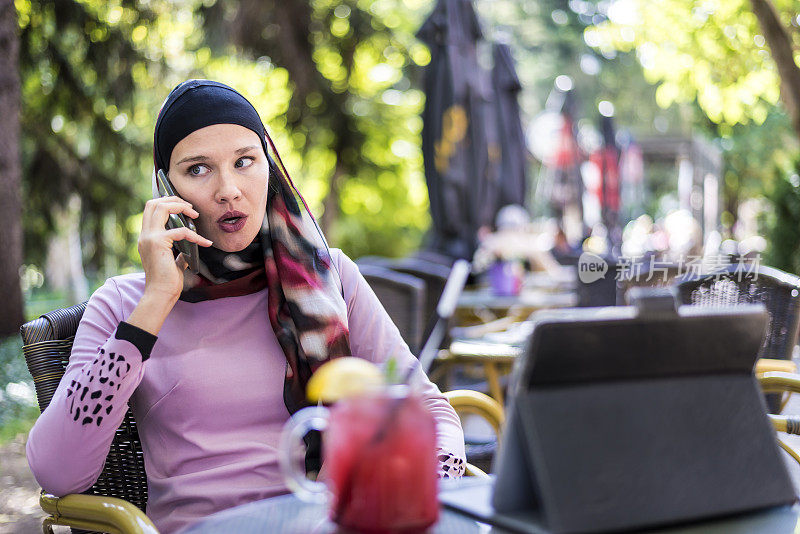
(343, 377)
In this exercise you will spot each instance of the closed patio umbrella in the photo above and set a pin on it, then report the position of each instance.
(513, 181)
(459, 155)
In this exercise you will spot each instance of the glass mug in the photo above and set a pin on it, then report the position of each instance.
(379, 461)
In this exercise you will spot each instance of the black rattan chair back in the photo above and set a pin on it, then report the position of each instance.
(47, 344)
(434, 276)
(743, 284)
(403, 298)
(431, 256)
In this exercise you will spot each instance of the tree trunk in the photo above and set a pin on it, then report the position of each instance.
(11, 311)
(64, 264)
(330, 215)
(780, 45)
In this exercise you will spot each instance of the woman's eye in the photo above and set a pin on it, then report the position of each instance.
(195, 170)
(244, 162)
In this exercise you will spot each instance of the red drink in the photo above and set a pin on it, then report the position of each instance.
(380, 453)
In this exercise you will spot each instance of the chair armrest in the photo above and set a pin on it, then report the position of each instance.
(475, 402)
(769, 365)
(94, 512)
(472, 471)
(777, 382)
(789, 424)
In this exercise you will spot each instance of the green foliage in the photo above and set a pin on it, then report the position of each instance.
(20, 423)
(751, 153)
(80, 64)
(12, 363)
(712, 52)
(16, 414)
(350, 127)
(340, 108)
(784, 224)
(547, 38)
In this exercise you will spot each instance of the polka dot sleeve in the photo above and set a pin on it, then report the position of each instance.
(450, 465)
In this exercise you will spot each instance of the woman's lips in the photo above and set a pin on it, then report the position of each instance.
(232, 225)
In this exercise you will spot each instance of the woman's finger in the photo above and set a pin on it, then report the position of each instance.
(160, 214)
(177, 234)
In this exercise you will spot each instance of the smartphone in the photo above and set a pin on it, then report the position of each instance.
(179, 220)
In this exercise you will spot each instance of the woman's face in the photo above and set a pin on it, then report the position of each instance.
(222, 171)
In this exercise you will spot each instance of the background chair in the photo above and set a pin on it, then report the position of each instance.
(435, 277)
(751, 284)
(778, 382)
(432, 256)
(118, 499)
(740, 284)
(479, 452)
(403, 298)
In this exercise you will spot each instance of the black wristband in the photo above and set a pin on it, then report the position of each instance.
(141, 339)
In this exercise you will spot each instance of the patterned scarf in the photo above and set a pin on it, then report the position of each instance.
(289, 257)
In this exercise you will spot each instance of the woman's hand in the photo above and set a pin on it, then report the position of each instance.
(162, 271)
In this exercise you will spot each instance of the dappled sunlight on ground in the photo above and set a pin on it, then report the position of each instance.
(19, 493)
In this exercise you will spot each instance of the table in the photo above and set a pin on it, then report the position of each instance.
(496, 358)
(529, 299)
(494, 351)
(288, 515)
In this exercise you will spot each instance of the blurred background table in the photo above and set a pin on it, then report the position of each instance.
(493, 351)
(481, 305)
(533, 298)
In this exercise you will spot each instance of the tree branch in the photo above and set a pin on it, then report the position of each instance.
(780, 45)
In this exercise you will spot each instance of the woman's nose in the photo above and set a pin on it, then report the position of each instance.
(227, 187)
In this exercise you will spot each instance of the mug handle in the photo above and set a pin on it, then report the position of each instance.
(298, 425)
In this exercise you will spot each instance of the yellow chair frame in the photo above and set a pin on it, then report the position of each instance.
(467, 401)
(95, 513)
(782, 382)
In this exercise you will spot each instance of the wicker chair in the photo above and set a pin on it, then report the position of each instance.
(116, 502)
(742, 284)
(777, 382)
(403, 298)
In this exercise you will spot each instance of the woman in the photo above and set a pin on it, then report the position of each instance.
(213, 364)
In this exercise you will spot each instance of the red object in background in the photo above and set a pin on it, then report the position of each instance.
(567, 154)
(384, 484)
(607, 161)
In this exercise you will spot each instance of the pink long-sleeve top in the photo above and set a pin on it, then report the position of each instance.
(207, 395)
